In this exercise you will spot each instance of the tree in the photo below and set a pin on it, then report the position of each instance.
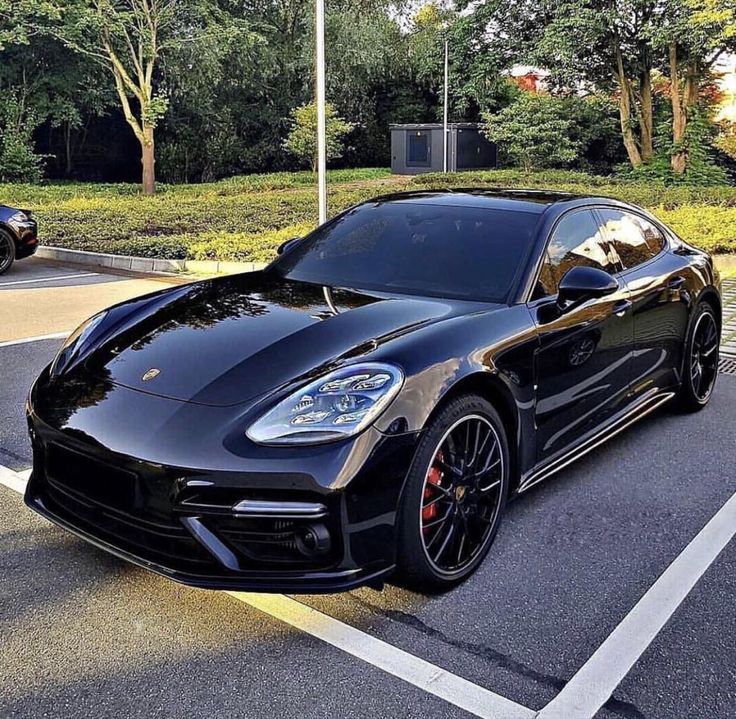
(586, 44)
(18, 161)
(694, 34)
(535, 131)
(129, 38)
(302, 139)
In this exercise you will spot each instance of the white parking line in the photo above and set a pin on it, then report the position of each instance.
(596, 680)
(13, 480)
(581, 698)
(53, 278)
(390, 659)
(433, 679)
(39, 338)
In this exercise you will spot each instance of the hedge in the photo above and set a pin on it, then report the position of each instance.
(246, 218)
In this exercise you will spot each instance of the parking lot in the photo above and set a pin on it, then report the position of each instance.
(615, 576)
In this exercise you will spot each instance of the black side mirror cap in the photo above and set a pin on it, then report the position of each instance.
(286, 246)
(581, 283)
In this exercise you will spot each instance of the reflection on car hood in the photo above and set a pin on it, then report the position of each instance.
(228, 340)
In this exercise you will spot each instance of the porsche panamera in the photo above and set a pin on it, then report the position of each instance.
(364, 407)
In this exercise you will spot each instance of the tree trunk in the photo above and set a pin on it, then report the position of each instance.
(682, 101)
(624, 109)
(148, 159)
(647, 116)
(68, 148)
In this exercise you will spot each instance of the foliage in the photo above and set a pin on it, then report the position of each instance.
(701, 170)
(726, 139)
(535, 131)
(18, 161)
(246, 218)
(302, 138)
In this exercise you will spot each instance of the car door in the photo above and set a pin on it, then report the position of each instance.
(584, 355)
(656, 280)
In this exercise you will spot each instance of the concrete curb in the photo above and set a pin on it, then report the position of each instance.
(725, 262)
(146, 264)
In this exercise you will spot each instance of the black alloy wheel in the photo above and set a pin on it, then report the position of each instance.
(7, 251)
(455, 495)
(701, 359)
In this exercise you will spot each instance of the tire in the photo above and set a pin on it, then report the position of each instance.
(7, 251)
(445, 485)
(700, 363)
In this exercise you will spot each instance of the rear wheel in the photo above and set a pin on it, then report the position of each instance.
(701, 359)
(454, 495)
(7, 251)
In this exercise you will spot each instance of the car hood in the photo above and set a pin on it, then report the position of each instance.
(226, 341)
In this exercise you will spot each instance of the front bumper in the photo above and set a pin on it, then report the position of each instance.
(206, 528)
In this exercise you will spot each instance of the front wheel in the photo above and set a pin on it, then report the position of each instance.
(454, 495)
(7, 251)
(700, 367)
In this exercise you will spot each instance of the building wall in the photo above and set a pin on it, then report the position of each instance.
(398, 152)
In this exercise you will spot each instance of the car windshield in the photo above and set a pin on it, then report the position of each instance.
(416, 248)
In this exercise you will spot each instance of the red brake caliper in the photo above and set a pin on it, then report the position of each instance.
(433, 477)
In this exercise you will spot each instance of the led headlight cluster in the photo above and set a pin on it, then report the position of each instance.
(338, 405)
(74, 344)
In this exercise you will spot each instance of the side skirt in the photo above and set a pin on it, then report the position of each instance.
(571, 455)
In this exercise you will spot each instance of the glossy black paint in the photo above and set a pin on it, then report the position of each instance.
(24, 233)
(150, 470)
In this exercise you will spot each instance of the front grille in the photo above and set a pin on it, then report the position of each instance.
(141, 512)
(108, 502)
(727, 364)
(97, 481)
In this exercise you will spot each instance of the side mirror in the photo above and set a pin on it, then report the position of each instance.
(580, 283)
(286, 246)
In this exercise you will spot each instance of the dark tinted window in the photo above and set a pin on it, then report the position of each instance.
(634, 239)
(577, 240)
(418, 248)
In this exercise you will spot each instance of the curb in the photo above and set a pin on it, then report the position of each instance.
(146, 264)
(725, 262)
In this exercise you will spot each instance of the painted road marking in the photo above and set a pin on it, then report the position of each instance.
(54, 278)
(13, 480)
(596, 680)
(581, 698)
(39, 338)
(390, 659)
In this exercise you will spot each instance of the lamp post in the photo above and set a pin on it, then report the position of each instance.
(445, 128)
(321, 122)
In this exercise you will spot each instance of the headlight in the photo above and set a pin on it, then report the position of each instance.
(338, 405)
(19, 217)
(74, 344)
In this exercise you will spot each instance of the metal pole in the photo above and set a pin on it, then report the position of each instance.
(321, 123)
(447, 74)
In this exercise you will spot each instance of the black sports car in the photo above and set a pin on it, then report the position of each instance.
(18, 236)
(367, 403)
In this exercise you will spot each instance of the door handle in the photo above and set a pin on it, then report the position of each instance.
(619, 309)
(675, 283)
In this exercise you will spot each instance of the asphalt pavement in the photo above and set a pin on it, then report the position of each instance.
(83, 634)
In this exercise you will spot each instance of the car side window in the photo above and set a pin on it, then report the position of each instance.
(633, 239)
(577, 240)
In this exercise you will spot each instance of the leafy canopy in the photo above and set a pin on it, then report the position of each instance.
(302, 139)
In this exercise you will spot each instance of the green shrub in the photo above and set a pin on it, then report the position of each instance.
(246, 218)
(711, 228)
(18, 160)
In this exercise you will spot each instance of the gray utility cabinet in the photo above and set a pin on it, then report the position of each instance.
(418, 148)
